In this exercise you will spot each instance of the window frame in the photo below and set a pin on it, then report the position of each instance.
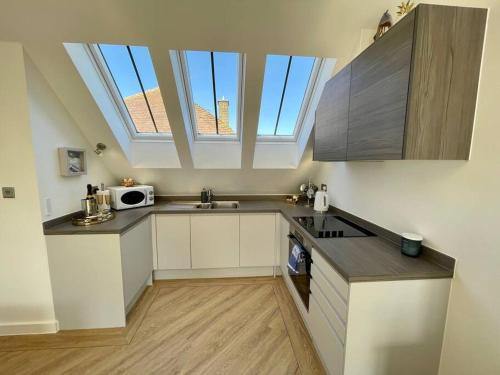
(188, 96)
(114, 93)
(304, 107)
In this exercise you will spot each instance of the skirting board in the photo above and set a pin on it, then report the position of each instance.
(49, 326)
(213, 273)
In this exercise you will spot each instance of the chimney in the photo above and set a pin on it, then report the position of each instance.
(223, 112)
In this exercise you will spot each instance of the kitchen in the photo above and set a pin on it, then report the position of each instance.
(356, 304)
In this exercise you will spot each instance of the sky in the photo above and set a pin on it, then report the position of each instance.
(274, 80)
(226, 65)
(122, 69)
(226, 80)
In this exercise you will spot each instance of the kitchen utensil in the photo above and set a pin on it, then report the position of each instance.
(89, 204)
(321, 201)
(89, 207)
(310, 191)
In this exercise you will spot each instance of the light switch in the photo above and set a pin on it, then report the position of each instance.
(8, 192)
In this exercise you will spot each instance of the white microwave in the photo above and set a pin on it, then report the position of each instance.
(129, 197)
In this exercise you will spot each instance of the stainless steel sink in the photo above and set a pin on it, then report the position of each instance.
(205, 206)
(184, 204)
(225, 204)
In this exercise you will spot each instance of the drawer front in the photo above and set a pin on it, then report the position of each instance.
(337, 281)
(338, 304)
(336, 320)
(330, 348)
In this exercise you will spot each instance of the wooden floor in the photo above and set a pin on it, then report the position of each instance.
(211, 326)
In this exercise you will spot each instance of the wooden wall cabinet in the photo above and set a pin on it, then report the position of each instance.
(331, 118)
(412, 93)
(379, 91)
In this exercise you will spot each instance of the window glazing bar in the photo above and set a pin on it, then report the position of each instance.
(283, 94)
(214, 92)
(142, 87)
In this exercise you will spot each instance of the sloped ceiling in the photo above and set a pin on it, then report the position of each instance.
(255, 27)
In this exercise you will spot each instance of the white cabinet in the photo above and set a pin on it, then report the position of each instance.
(257, 240)
(395, 327)
(215, 241)
(173, 242)
(97, 278)
(329, 346)
(137, 261)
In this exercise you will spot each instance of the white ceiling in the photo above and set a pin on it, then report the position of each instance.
(256, 27)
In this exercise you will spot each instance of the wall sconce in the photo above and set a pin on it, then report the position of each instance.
(99, 148)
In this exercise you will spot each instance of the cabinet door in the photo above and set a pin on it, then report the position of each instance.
(215, 241)
(330, 132)
(444, 83)
(379, 91)
(173, 242)
(137, 260)
(257, 240)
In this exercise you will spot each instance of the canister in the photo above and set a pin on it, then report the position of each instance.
(411, 244)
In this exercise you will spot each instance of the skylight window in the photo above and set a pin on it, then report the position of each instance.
(213, 84)
(288, 82)
(131, 78)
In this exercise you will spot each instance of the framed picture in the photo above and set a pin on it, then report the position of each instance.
(72, 161)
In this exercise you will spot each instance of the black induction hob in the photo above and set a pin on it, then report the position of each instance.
(329, 226)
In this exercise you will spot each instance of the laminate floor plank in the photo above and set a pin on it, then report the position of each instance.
(85, 337)
(225, 326)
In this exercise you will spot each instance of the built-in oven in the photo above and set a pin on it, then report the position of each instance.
(300, 272)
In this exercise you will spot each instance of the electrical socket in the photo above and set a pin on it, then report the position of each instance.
(48, 206)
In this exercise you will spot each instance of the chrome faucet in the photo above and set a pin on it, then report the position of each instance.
(207, 195)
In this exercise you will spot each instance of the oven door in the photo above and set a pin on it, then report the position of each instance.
(302, 278)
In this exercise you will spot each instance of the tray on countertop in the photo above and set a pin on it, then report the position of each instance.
(92, 220)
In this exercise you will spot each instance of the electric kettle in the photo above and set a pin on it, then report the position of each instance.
(321, 201)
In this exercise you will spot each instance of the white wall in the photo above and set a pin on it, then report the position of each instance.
(227, 181)
(53, 127)
(25, 292)
(455, 205)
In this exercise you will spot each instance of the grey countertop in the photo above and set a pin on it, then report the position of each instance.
(356, 259)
